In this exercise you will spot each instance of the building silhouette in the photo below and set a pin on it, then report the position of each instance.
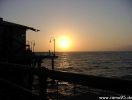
(13, 46)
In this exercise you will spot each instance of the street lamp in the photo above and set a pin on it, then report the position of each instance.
(52, 58)
(32, 45)
(52, 38)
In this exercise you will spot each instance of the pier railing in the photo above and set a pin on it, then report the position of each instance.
(9, 71)
(111, 84)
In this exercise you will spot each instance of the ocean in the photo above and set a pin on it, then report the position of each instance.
(105, 64)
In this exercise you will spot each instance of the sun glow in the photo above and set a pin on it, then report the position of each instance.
(64, 43)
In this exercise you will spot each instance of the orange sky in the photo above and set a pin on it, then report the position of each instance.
(89, 25)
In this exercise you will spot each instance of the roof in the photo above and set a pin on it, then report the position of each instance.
(10, 24)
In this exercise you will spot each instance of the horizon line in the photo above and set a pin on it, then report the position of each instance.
(89, 51)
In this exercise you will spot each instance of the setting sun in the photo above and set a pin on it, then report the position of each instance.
(64, 43)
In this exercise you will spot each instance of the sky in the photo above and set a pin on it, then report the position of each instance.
(88, 25)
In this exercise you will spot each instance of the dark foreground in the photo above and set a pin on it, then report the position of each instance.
(15, 82)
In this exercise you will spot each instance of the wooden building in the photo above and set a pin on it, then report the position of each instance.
(13, 41)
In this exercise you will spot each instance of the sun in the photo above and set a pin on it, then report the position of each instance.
(64, 43)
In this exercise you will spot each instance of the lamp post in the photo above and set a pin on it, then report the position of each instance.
(52, 58)
(52, 38)
(32, 45)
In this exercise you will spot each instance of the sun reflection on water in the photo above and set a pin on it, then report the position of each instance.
(64, 61)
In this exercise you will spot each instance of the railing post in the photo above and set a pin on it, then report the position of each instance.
(43, 85)
(52, 62)
(74, 89)
(39, 61)
(57, 89)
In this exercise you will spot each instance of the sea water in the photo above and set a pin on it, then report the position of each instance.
(104, 64)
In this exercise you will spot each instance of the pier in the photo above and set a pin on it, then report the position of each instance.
(8, 71)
